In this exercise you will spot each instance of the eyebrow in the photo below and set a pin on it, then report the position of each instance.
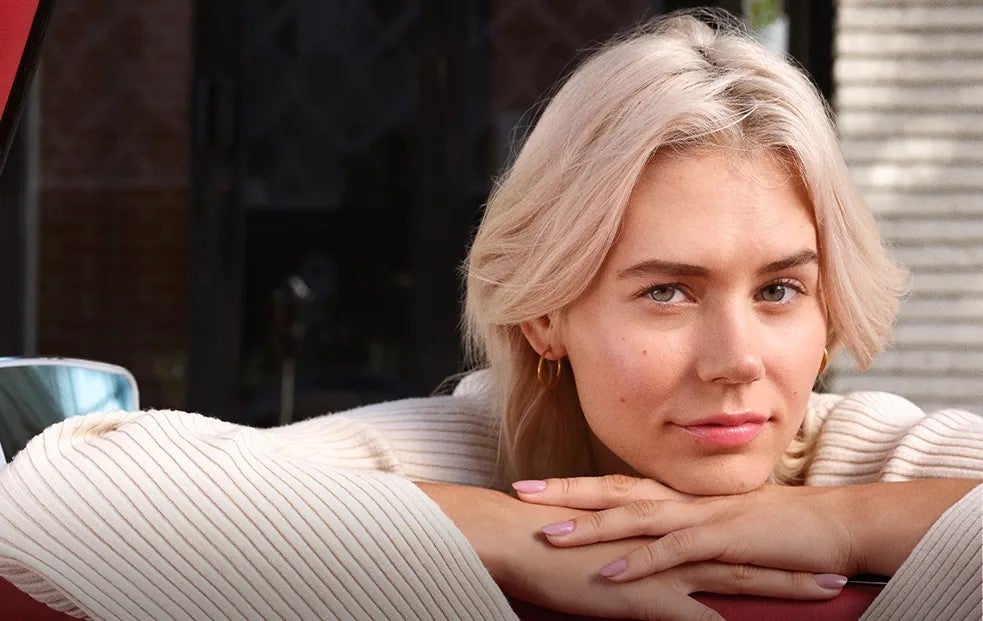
(656, 266)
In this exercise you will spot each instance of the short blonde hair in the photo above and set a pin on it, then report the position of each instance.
(675, 83)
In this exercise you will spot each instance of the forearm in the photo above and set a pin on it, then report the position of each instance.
(506, 534)
(891, 518)
(942, 577)
(498, 526)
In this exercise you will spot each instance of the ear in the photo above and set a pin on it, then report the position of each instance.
(542, 337)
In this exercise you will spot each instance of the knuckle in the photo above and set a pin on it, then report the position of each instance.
(802, 582)
(644, 508)
(594, 521)
(567, 486)
(619, 485)
(648, 555)
(678, 543)
(744, 573)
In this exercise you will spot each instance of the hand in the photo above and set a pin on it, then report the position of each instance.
(793, 528)
(603, 492)
(849, 529)
(505, 533)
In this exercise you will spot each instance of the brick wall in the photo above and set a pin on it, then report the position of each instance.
(114, 189)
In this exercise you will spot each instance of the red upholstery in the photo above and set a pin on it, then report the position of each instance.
(848, 605)
(16, 604)
(16, 17)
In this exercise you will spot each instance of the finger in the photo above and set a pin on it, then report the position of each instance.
(682, 608)
(593, 492)
(639, 518)
(655, 601)
(687, 545)
(728, 544)
(743, 579)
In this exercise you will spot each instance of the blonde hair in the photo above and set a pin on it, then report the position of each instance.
(675, 83)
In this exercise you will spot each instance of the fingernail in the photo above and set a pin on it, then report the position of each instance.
(529, 487)
(558, 528)
(830, 581)
(614, 568)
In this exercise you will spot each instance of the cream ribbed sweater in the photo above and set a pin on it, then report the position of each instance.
(161, 515)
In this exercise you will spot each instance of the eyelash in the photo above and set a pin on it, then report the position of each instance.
(647, 291)
(791, 283)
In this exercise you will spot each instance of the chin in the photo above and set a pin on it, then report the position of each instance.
(710, 485)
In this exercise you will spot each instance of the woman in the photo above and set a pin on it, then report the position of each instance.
(656, 285)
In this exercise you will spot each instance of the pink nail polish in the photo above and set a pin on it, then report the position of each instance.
(614, 568)
(529, 487)
(558, 528)
(833, 582)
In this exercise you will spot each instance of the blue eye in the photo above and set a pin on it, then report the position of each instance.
(666, 294)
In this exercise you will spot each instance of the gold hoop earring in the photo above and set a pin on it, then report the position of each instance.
(554, 374)
(822, 367)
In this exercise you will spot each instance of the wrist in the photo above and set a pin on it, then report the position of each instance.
(484, 517)
(889, 519)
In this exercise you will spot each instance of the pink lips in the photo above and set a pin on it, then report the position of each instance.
(727, 429)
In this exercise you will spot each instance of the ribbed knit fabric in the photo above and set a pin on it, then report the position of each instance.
(172, 515)
(941, 578)
(166, 515)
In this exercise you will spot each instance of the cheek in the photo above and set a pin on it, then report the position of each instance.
(795, 356)
(614, 358)
(621, 376)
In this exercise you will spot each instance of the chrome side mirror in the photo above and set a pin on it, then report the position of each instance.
(38, 392)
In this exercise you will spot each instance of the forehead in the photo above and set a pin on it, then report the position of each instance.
(717, 206)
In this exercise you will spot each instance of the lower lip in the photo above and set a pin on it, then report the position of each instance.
(725, 435)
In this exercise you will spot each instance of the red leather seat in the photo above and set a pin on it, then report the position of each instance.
(16, 604)
(850, 604)
(847, 606)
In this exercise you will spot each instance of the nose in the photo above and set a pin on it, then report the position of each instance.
(731, 347)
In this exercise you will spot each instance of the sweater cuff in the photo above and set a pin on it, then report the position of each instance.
(942, 578)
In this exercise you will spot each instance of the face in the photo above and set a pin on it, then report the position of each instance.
(695, 350)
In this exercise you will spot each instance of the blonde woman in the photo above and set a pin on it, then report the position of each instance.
(657, 283)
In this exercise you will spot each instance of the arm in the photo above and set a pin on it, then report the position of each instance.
(871, 438)
(889, 519)
(448, 439)
(876, 436)
(941, 578)
(173, 515)
(505, 533)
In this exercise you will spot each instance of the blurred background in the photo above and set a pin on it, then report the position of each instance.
(260, 206)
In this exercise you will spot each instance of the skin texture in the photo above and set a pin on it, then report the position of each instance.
(841, 529)
(505, 533)
(655, 348)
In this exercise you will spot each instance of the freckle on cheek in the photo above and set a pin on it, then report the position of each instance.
(645, 352)
(622, 399)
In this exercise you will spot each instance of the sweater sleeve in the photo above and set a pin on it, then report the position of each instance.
(174, 515)
(873, 436)
(449, 439)
(941, 578)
